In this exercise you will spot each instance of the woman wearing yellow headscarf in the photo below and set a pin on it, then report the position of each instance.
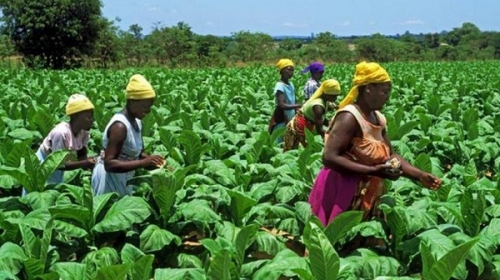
(73, 136)
(311, 115)
(284, 96)
(122, 142)
(358, 155)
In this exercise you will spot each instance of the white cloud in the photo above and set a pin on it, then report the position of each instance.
(294, 25)
(209, 23)
(372, 22)
(346, 23)
(413, 22)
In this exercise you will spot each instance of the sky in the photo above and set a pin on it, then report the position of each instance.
(299, 17)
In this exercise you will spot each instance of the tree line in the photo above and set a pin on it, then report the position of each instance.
(61, 34)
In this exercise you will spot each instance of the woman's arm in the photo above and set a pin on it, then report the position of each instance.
(338, 141)
(81, 162)
(410, 171)
(282, 102)
(117, 135)
(319, 119)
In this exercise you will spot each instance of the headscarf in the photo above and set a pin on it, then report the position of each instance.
(314, 68)
(284, 62)
(139, 88)
(366, 73)
(328, 87)
(78, 103)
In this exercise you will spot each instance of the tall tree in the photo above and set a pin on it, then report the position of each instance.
(52, 33)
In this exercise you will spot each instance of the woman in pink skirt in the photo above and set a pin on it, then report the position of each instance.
(358, 151)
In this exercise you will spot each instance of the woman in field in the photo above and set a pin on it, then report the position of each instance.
(73, 136)
(356, 151)
(316, 69)
(122, 142)
(311, 115)
(284, 93)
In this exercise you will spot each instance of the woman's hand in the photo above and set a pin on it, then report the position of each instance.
(430, 181)
(90, 162)
(385, 171)
(152, 162)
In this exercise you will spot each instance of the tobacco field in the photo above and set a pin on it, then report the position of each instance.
(232, 205)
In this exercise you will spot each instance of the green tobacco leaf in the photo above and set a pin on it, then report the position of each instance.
(324, 260)
(472, 206)
(180, 274)
(240, 205)
(406, 128)
(96, 260)
(142, 268)
(282, 264)
(165, 185)
(493, 230)
(33, 268)
(368, 265)
(443, 268)
(221, 266)
(481, 253)
(113, 272)
(470, 175)
(342, 224)
(70, 270)
(423, 162)
(154, 238)
(53, 161)
(189, 261)
(130, 254)
(123, 214)
(96, 203)
(192, 146)
(244, 238)
(198, 210)
(11, 257)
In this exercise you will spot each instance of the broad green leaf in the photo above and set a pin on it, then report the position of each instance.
(113, 272)
(180, 274)
(123, 214)
(221, 266)
(154, 238)
(189, 261)
(240, 205)
(443, 268)
(70, 270)
(472, 206)
(341, 225)
(244, 238)
(324, 260)
(282, 264)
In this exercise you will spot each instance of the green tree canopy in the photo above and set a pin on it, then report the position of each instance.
(52, 33)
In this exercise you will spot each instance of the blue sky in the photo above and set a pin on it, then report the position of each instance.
(299, 17)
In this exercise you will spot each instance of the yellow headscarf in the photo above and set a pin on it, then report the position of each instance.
(139, 88)
(366, 73)
(284, 62)
(329, 87)
(78, 103)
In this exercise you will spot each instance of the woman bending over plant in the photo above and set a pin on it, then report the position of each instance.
(122, 142)
(358, 154)
(73, 136)
(311, 115)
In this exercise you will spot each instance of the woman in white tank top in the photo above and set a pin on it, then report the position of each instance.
(123, 149)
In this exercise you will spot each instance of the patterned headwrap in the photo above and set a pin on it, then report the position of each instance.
(366, 73)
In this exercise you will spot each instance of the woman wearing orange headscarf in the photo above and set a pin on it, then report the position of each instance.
(358, 155)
